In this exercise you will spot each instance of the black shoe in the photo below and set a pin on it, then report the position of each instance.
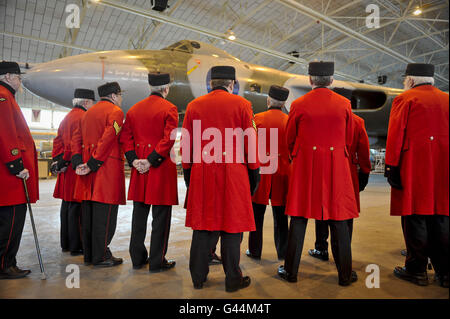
(353, 278)
(245, 282)
(141, 265)
(285, 275)
(167, 264)
(319, 254)
(110, 262)
(215, 260)
(64, 250)
(199, 285)
(13, 273)
(22, 271)
(87, 262)
(249, 254)
(403, 252)
(420, 279)
(443, 280)
(76, 253)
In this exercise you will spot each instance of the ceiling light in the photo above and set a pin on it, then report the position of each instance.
(230, 35)
(417, 12)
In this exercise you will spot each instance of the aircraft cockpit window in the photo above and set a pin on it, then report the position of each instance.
(181, 47)
(255, 87)
(195, 45)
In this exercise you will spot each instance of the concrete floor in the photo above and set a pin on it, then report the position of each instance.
(377, 240)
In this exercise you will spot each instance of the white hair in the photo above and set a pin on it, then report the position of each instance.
(319, 80)
(275, 103)
(78, 101)
(159, 88)
(420, 79)
(3, 77)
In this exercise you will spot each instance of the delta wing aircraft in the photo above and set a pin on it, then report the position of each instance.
(189, 64)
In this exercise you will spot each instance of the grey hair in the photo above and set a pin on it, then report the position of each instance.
(275, 103)
(321, 80)
(78, 101)
(159, 88)
(421, 79)
(2, 77)
(220, 82)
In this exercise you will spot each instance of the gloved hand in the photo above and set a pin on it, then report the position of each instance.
(254, 178)
(393, 176)
(363, 179)
(187, 176)
(25, 174)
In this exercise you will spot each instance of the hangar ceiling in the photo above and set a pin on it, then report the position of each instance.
(266, 31)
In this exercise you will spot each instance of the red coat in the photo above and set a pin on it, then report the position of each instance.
(219, 196)
(274, 186)
(319, 133)
(17, 152)
(97, 139)
(65, 183)
(418, 143)
(359, 154)
(147, 129)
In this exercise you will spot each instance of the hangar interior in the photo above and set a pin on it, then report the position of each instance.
(280, 34)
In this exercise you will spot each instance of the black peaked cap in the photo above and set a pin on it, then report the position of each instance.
(223, 72)
(108, 88)
(278, 93)
(84, 94)
(321, 68)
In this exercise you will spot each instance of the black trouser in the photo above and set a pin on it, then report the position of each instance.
(214, 242)
(99, 222)
(340, 246)
(322, 233)
(12, 220)
(426, 236)
(229, 249)
(159, 239)
(70, 226)
(280, 230)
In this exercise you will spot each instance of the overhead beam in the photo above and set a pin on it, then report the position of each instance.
(349, 32)
(58, 43)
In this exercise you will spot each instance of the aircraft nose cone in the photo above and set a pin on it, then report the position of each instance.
(50, 81)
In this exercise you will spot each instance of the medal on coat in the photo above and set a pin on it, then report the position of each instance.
(2, 99)
(254, 124)
(15, 152)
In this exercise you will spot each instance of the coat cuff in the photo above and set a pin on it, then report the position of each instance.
(58, 157)
(16, 166)
(131, 156)
(94, 164)
(76, 160)
(155, 159)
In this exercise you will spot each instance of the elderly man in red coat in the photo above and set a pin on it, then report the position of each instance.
(417, 161)
(360, 167)
(99, 162)
(221, 171)
(18, 161)
(273, 186)
(147, 138)
(319, 136)
(70, 213)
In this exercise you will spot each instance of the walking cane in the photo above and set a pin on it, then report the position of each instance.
(38, 250)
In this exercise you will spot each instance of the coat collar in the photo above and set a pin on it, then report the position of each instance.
(7, 86)
(78, 106)
(320, 87)
(274, 108)
(220, 88)
(420, 85)
(157, 94)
